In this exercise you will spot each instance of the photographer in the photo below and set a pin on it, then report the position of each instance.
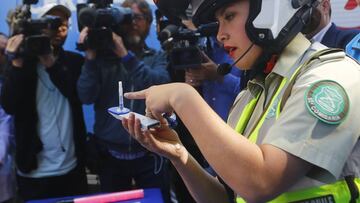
(7, 146)
(122, 159)
(40, 91)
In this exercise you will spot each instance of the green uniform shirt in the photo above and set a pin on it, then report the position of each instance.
(333, 149)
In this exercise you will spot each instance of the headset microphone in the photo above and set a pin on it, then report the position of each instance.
(225, 68)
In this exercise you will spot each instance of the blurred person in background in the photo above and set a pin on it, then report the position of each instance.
(7, 140)
(122, 160)
(353, 48)
(40, 92)
(326, 31)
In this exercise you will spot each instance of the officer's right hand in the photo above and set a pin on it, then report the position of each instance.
(12, 48)
(89, 53)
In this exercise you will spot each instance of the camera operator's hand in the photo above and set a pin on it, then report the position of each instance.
(192, 77)
(189, 24)
(47, 60)
(12, 48)
(206, 71)
(119, 47)
(89, 53)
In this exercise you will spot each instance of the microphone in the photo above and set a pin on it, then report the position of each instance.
(225, 68)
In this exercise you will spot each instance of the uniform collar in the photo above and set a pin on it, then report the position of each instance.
(292, 53)
(256, 85)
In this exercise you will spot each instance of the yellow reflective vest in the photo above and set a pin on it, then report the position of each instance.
(341, 191)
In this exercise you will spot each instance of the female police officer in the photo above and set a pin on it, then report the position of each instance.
(298, 117)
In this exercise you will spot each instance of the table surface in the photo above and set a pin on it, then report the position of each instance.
(151, 195)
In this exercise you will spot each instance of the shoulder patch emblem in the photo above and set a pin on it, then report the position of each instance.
(327, 101)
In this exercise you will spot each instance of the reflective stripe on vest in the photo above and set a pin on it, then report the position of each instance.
(335, 192)
(245, 115)
(330, 193)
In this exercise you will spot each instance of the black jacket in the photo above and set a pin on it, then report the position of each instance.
(18, 98)
(338, 38)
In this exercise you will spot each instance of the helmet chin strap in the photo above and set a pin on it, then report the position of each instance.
(256, 69)
(299, 3)
(259, 66)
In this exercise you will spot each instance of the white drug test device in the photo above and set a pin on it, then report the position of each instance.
(146, 122)
(120, 112)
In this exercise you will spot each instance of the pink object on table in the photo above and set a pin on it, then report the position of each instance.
(112, 197)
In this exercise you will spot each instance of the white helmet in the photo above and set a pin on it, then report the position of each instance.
(271, 24)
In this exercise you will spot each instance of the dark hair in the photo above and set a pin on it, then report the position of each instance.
(143, 6)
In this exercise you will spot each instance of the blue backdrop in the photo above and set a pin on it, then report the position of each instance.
(6, 5)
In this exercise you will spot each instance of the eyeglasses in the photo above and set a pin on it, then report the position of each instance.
(138, 17)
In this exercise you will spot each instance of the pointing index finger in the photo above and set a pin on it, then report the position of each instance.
(136, 95)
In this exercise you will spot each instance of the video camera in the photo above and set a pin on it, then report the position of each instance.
(102, 18)
(35, 41)
(184, 46)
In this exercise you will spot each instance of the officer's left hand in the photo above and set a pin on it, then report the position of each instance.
(163, 140)
(119, 48)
